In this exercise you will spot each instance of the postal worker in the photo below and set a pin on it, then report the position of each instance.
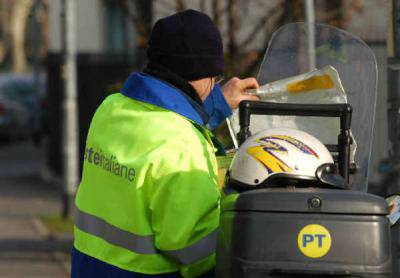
(148, 201)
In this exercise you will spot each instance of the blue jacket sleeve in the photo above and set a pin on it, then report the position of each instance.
(217, 107)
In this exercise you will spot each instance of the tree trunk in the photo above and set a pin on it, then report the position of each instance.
(20, 12)
(44, 28)
(5, 29)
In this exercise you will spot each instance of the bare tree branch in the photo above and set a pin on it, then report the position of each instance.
(219, 11)
(215, 14)
(167, 4)
(142, 24)
(202, 6)
(232, 29)
(180, 5)
(256, 58)
(355, 7)
(259, 26)
(339, 12)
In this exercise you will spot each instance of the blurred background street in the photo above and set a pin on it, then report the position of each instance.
(26, 247)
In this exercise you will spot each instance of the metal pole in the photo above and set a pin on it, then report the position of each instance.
(310, 20)
(391, 179)
(232, 134)
(396, 27)
(70, 108)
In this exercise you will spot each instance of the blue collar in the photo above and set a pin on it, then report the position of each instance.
(143, 87)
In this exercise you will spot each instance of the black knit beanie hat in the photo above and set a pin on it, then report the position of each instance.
(188, 44)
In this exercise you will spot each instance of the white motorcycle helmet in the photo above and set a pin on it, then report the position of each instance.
(281, 155)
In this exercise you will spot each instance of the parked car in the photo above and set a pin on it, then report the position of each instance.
(21, 114)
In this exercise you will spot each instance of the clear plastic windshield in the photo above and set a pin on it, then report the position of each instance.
(332, 52)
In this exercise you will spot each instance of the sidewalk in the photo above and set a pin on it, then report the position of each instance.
(26, 249)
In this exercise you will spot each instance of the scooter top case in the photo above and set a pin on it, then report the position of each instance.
(284, 230)
(307, 231)
(303, 232)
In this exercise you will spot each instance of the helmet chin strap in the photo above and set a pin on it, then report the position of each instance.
(325, 174)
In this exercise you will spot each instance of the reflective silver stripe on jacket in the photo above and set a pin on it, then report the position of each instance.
(143, 244)
(98, 227)
(196, 252)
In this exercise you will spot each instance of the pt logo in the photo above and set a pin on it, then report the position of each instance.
(314, 241)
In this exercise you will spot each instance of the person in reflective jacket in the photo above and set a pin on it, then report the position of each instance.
(148, 201)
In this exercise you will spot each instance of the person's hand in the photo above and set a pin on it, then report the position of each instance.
(234, 90)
